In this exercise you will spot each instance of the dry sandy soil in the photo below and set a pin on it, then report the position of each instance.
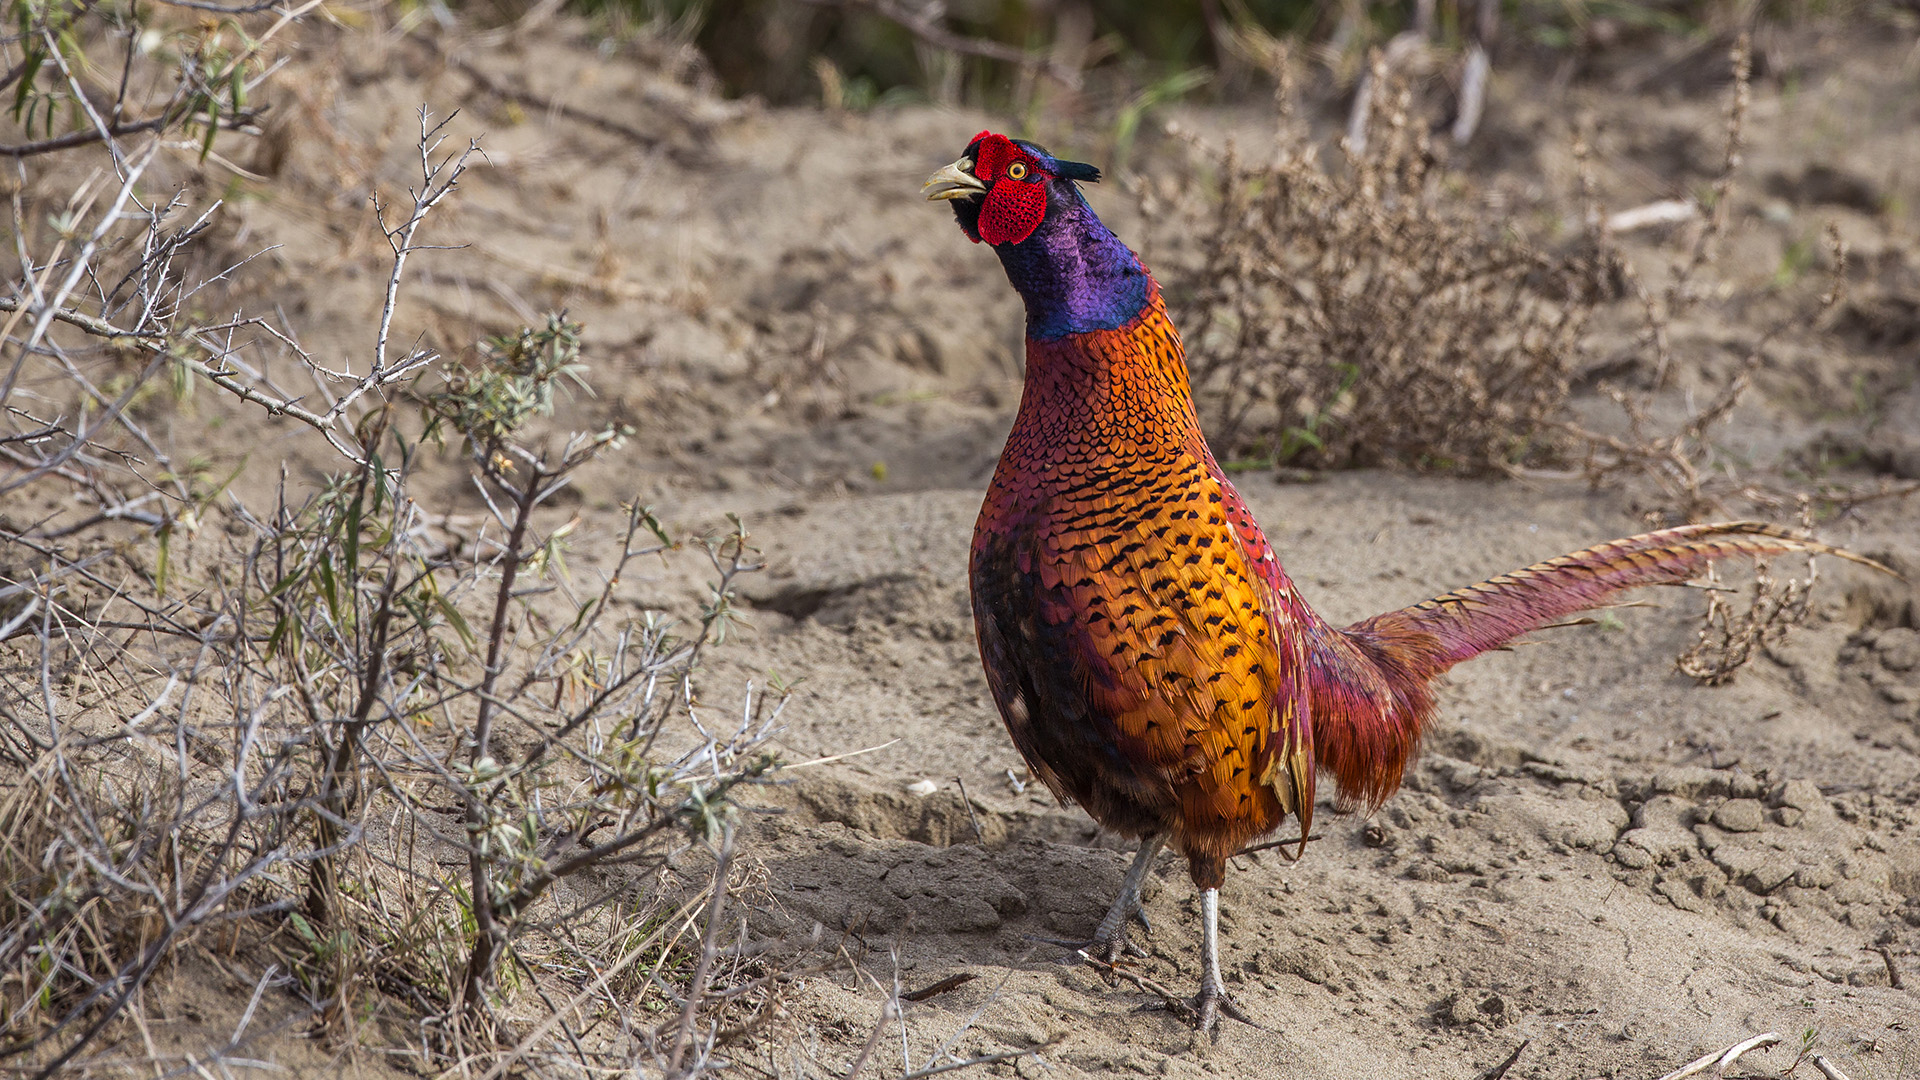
(1595, 855)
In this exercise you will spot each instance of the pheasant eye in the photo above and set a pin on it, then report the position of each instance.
(1017, 171)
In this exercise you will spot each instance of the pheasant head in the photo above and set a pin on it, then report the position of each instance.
(1074, 274)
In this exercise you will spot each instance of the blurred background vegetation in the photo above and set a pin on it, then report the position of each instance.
(866, 52)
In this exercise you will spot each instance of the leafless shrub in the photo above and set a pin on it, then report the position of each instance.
(292, 724)
(1359, 316)
(1680, 461)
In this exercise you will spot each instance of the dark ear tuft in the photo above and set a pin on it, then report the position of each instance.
(1078, 170)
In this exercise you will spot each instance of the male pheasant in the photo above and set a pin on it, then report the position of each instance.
(1148, 654)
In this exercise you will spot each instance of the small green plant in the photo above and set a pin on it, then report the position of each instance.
(1807, 1038)
(513, 381)
(1301, 438)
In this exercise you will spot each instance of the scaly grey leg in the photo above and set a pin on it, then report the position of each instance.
(1110, 938)
(1109, 942)
(1212, 1000)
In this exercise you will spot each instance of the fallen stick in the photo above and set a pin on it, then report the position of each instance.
(1827, 1068)
(1721, 1061)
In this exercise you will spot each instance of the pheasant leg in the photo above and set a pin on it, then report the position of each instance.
(1110, 937)
(1212, 1000)
(1110, 942)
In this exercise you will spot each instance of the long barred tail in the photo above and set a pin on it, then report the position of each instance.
(1370, 681)
(1467, 622)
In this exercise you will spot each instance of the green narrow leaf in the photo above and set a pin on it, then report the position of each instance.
(653, 525)
(30, 67)
(221, 487)
(353, 535)
(305, 930)
(160, 570)
(454, 619)
(379, 481)
(294, 577)
(323, 572)
(280, 628)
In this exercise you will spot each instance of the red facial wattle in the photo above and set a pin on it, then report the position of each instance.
(1016, 199)
(1013, 209)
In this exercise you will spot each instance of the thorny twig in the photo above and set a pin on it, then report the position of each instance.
(156, 333)
(437, 181)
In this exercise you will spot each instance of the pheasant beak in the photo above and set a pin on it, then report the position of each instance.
(956, 181)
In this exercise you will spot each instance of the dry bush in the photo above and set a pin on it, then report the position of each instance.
(414, 757)
(1680, 457)
(1360, 316)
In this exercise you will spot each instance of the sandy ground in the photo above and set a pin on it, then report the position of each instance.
(1594, 856)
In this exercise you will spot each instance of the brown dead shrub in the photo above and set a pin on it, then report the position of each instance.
(1363, 316)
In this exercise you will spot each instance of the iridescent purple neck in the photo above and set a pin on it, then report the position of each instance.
(1074, 274)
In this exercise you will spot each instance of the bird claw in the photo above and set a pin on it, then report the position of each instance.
(1120, 944)
(1096, 951)
(1210, 1004)
(1108, 948)
(1121, 949)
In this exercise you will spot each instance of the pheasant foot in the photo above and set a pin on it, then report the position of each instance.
(1110, 941)
(1213, 1002)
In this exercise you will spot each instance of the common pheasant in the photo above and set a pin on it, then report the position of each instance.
(1149, 655)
